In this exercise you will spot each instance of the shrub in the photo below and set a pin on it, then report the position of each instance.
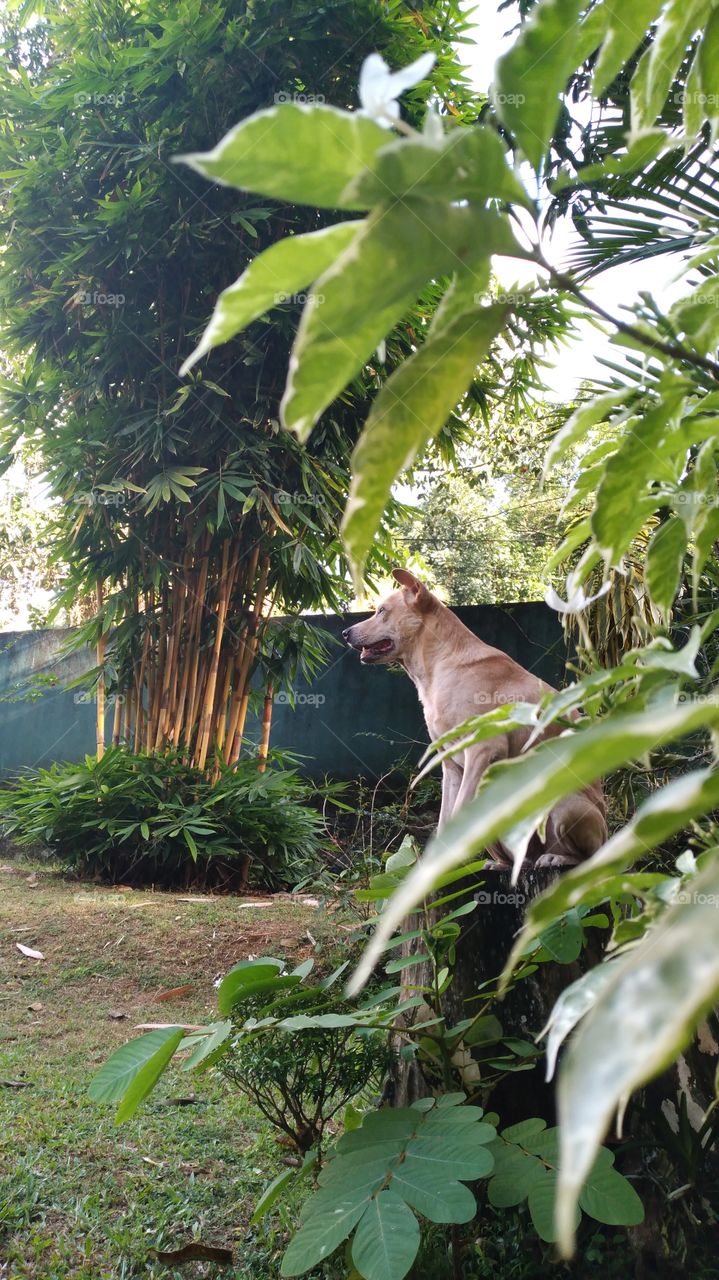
(156, 820)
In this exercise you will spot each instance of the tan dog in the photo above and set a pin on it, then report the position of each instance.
(458, 676)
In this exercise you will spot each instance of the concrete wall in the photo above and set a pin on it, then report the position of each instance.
(350, 721)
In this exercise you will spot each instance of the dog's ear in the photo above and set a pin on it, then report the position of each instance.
(421, 597)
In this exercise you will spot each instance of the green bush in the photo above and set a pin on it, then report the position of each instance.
(148, 819)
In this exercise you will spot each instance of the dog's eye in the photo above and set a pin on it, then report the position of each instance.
(379, 611)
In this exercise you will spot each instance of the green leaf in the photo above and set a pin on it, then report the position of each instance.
(660, 991)
(219, 1034)
(412, 406)
(581, 421)
(609, 1197)
(386, 1240)
(272, 1193)
(574, 1002)
(530, 77)
(245, 976)
(270, 153)
(707, 58)
(470, 163)
(319, 1236)
(354, 305)
(563, 939)
(658, 818)
(133, 1071)
(626, 29)
(665, 558)
(271, 279)
(660, 62)
(526, 787)
(621, 508)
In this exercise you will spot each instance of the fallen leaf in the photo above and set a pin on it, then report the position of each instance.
(36, 1006)
(116, 1015)
(160, 1164)
(134, 905)
(194, 1252)
(195, 899)
(15, 1084)
(159, 1026)
(191, 1101)
(28, 951)
(174, 993)
(244, 906)
(32, 882)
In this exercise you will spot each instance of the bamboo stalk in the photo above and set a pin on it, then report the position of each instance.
(141, 683)
(101, 644)
(264, 747)
(224, 591)
(117, 720)
(251, 641)
(192, 659)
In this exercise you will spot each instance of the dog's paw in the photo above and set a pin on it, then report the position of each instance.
(555, 860)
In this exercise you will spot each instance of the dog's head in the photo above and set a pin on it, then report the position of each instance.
(389, 634)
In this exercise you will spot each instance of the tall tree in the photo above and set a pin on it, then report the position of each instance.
(183, 513)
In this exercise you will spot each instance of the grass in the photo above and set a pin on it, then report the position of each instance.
(79, 1198)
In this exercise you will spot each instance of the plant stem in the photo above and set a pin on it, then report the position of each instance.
(672, 349)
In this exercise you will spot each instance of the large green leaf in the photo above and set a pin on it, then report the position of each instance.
(272, 278)
(626, 29)
(575, 1001)
(414, 1156)
(660, 62)
(470, 163)
(294, 152)
(412, 406)
(526, 787)
(641, 1021)
(665, 558)
(133, 1070)
(319, 1236)
(354, 305)
(386, 1240)
(609, 1197)
(648, 444)
(530, 77)
(250, 976)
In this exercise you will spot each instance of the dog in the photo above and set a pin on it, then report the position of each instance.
(457, 675)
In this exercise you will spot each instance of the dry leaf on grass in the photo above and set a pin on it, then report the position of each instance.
(174, 993)
(117, 1015)
(28, 951)
(15, 1084)
(160, 1026)
(36, 1006)
(194, 1252)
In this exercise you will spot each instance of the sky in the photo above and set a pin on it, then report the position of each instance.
(578, 360)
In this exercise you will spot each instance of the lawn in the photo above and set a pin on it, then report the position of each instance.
(80, 1198)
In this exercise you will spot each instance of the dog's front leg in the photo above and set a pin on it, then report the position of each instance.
(476, 762)
(451, 783)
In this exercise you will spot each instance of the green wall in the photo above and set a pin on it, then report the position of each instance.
(349, 721)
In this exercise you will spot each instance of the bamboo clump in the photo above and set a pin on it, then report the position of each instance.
(187, 684)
